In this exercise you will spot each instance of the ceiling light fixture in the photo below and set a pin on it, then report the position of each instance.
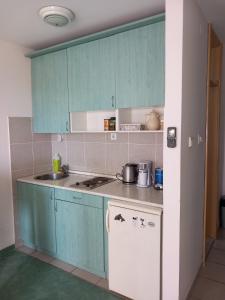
(57, 16)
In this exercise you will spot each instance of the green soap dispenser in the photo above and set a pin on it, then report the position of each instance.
(56, 163)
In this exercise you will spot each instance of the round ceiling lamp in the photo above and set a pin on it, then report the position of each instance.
(57, 16)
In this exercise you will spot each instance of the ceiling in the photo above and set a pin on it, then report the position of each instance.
(214, 11)
(21, 24)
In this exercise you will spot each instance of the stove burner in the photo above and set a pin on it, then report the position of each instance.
(92, 183)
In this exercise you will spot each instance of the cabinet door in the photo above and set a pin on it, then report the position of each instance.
(50, 93)
(79, 232)
(25, 203)
(44, 216)
(91, 75)
(140, 64)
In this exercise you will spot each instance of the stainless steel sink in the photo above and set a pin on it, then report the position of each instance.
(51, 176)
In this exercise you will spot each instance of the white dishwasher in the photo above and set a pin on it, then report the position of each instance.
(134, 236)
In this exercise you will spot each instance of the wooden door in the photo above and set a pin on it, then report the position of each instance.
(91, 75)
(212, 195)
(140, 68)
(44, 217)
(50, 93)
(25, 194)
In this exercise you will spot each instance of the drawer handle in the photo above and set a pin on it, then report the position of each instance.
(77, 198)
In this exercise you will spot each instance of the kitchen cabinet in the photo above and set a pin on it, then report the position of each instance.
(65, 224)
(91, 75)
(36, 217)
(118, 68)
(26, 213)
(50, 93)
(121, 71)
(140, 68)
(44, 217)
(80, 237)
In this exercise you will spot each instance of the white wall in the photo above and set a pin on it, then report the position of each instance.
(15, 100)
(172, 163)
(186, 61)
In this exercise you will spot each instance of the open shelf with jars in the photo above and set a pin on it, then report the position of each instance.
(119, 120)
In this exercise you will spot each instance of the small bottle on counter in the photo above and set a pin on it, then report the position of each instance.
(158, 179)
(56, 163)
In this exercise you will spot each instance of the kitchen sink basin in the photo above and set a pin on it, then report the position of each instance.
(51, 176)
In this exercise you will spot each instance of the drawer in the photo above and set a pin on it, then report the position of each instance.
(79, 198)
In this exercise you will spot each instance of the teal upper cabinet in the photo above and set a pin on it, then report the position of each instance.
(91, 75)
(25, 194)
(50, 93)
(140, 67)
(44, 218)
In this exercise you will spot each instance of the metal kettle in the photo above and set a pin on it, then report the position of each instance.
(129, 173)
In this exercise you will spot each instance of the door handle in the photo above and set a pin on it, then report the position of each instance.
(67, 126)
(107, 220)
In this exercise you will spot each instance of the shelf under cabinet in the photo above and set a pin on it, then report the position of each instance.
(93, 121)
(119, 131)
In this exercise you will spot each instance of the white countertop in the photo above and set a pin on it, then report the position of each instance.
(114, 190)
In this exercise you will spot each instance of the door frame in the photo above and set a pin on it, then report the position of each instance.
(213, 42)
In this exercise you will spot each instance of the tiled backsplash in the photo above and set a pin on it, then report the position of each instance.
(92, 152)
(96, 152)
(30, 153)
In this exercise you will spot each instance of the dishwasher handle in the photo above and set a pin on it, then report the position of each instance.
(107, 220)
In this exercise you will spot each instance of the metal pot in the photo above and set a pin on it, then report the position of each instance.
(129, 173)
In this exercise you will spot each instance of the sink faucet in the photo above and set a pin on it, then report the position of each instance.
(65, 169)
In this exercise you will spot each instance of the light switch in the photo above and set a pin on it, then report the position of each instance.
(190, 142)
(113, 136)
(200, 139)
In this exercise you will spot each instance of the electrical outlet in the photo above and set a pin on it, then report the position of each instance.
(113, 136)
(59, 138)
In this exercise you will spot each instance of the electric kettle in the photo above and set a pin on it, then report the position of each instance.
(129, 173)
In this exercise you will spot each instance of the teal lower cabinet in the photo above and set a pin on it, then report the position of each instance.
(25, 202)
(65, 224)
(44, 217)
(37, 217)
(80, 236)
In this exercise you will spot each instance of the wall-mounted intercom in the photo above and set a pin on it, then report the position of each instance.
(171, 137)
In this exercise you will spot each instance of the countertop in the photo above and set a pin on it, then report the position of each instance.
(116, 189)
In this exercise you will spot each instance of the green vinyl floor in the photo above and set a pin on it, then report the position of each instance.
(23, 277)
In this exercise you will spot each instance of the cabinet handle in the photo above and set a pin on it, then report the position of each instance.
(52, 195)
(56, 206)
(113, 104)
(67, 125)
(107, 220)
